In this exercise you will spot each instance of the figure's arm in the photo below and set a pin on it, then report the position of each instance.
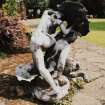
(63, 27)
(52, 35)
(55, 34)
(64, 30)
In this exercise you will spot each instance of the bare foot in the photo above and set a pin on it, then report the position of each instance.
(61, 82)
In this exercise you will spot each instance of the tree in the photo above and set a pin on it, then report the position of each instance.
(100, 7)
(95, 7)
(33, 5)
(52, 3)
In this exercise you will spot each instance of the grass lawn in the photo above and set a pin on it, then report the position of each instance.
(97, 26)
(97, 32)
(97, 20)
(96, 37)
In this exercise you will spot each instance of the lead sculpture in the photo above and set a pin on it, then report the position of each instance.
(50, 49)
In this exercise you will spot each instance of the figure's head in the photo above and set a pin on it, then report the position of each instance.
(76, 16)
(55, 16)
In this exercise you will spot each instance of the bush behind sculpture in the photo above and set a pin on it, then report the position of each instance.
(12, 35)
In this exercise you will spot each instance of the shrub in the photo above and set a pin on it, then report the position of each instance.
(12, 35)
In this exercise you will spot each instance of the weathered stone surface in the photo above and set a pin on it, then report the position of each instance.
(42, 90)
(82, 99)
(95, 89)
(92, 62)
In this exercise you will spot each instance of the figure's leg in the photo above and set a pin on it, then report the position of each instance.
(40, 40)
(39, 60)
(62, 59)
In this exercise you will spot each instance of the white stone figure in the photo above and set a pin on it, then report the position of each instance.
(45, 40)
(62, 45)
(41, 39)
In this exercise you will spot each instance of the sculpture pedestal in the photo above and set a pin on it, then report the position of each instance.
(41, 88)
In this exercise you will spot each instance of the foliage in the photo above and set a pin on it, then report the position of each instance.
(12, 34)
(42, 3)
(1, 2)
(95, 7)
(33, 5)
(10, 7)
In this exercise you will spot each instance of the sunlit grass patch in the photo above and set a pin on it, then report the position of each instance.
(97, 26)
(96, 37)
(97, 20)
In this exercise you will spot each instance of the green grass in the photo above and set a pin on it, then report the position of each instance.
(96, 37)
(97, 26)
(97, 32)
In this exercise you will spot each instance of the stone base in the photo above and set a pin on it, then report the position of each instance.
(43, 93)
(40, 88)
(23, 72)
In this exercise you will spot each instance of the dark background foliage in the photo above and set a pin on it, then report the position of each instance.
(94, 7)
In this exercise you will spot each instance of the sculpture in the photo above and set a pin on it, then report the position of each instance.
(51, 84)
